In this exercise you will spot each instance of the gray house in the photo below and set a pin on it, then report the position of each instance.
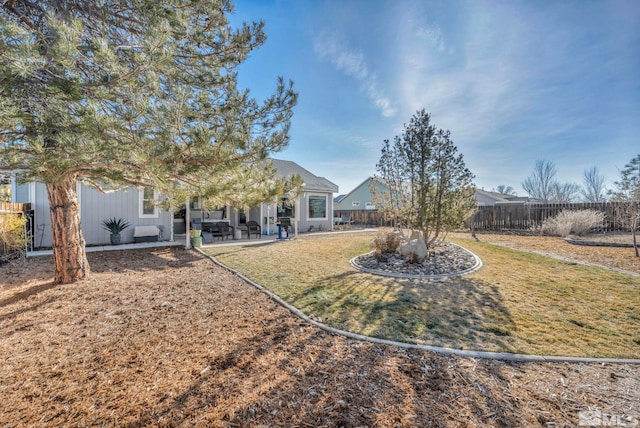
(358, 206)
(133, 204)
(311, 210)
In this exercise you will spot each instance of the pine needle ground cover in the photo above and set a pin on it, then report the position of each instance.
(518, 302)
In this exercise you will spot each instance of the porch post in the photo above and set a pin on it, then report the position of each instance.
(296, 215)
(187, 219)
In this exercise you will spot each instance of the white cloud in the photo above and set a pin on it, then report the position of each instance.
(433, 35)
(351, 62)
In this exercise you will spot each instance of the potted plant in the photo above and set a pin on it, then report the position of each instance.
(196, 237)
(115, 226)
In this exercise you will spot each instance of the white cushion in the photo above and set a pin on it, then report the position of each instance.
(142, 231)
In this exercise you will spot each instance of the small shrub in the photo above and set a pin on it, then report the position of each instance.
(385, 243)
(587, 220)
(576, 222)
(12, 236)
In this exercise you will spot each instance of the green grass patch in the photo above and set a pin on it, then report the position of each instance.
(518, 302)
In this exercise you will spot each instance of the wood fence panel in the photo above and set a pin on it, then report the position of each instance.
(14, 208)
(530, 216)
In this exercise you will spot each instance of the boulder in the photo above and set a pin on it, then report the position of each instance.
(415, 247)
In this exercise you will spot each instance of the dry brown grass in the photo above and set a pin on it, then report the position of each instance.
(165, 338)
(518, 302)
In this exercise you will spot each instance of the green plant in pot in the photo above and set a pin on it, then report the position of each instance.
(115, 226)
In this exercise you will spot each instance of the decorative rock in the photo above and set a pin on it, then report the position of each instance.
(415, 246)
(447, 260)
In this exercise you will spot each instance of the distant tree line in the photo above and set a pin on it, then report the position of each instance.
(542, 185)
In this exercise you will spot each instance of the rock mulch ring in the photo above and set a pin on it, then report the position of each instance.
(446, 260)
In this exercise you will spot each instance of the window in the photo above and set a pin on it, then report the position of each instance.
(285, 207)
(317, 206)
(147, 203)
(355, 203)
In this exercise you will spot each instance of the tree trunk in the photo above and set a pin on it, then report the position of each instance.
(69, 254)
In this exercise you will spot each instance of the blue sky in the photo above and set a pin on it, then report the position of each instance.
(514, 81)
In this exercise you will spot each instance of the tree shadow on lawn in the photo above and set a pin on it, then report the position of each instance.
(458, 313)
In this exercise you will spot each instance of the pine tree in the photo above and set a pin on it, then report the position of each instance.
(431, 188)
(133, 92)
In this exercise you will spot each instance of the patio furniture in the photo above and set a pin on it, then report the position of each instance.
(207, 238)
(253, 228)
(146, 233)
(221, 229)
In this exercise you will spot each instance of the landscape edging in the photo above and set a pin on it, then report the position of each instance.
(475, 267)
(597, 244)
(504, 356)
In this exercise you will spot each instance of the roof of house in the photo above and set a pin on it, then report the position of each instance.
(501, 198)
(493, 196)
(311, 182)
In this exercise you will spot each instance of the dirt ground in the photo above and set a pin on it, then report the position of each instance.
(164, 337)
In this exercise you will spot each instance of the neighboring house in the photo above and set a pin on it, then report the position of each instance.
(486, 198)
(357, 206)
(312, 210)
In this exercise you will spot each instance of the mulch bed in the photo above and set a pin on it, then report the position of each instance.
(163, 337)
(602, 255)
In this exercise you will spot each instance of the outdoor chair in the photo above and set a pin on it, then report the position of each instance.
(253, 228)
(222, 229)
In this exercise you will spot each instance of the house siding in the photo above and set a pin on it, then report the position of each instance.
(22, 194)
(95, 206)
(360, 195)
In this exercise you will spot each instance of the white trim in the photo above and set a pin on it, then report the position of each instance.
(326, 207)
(141, 213)
(14, 188)
(32, 193)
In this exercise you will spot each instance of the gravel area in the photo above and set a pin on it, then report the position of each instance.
(446, 259)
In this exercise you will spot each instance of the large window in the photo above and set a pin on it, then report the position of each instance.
(147, 203)
(318, 207)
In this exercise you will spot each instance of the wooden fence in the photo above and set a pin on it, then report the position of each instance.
(6, 207)
(361, 217)
(531, 216)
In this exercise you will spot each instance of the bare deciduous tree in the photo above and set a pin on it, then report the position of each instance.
(503, 189)
(593, 185)
(539, 185)
(542, 184)
(564, 193)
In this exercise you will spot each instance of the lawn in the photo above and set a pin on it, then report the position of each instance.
(518, 302)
